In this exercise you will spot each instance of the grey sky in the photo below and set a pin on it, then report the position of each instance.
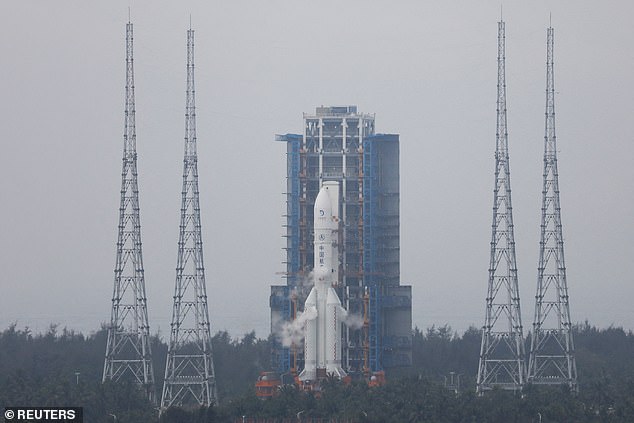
(428, 71)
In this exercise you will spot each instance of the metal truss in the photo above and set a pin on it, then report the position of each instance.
(502, 350)
(551, 358)
(189, 372)
(128, 351)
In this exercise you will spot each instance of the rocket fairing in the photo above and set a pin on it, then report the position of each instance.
(322, 342)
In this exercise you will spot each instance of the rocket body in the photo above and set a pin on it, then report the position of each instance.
(322, 344)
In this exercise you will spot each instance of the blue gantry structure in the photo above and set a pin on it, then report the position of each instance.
(340, 144)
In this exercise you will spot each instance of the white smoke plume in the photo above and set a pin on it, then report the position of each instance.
(353, 321)
(289, 333)
(293, 332)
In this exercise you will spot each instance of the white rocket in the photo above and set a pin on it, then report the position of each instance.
(322, 344)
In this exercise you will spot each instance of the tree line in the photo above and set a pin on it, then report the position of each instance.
(64, 368)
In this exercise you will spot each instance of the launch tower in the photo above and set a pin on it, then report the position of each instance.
(128, 352)
(189, 371)
(339, 144)
(502, 350)
(551, 358)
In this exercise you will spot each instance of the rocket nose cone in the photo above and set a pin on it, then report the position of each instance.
(323, 206)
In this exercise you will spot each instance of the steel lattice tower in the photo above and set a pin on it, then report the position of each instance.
(551, 359)
(502, 351)
(128, 351)
(189, 371)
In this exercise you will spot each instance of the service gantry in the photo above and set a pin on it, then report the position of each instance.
(189, 371)
(339, 143)
(502, 353)
(128, 351)
(552, 353)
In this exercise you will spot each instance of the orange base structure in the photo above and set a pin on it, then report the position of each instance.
(377, 379)
(268, 385)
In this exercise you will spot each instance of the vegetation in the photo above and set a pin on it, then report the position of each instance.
(64, 368)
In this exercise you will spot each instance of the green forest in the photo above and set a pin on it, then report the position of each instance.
(63, 368)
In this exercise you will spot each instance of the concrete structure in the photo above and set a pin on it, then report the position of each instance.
(340, 144)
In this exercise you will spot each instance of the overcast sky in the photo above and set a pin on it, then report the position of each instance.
(426, 68)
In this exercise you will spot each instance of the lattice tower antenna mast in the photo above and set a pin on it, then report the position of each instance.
(552, 354)
(128, 351)
(502, 351)
(189, 372)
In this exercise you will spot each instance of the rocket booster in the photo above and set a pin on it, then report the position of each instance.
(322, 345)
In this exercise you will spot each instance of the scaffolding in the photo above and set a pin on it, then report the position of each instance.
(280, 303)
(370, 269)
(292, 206)
(339, 144)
